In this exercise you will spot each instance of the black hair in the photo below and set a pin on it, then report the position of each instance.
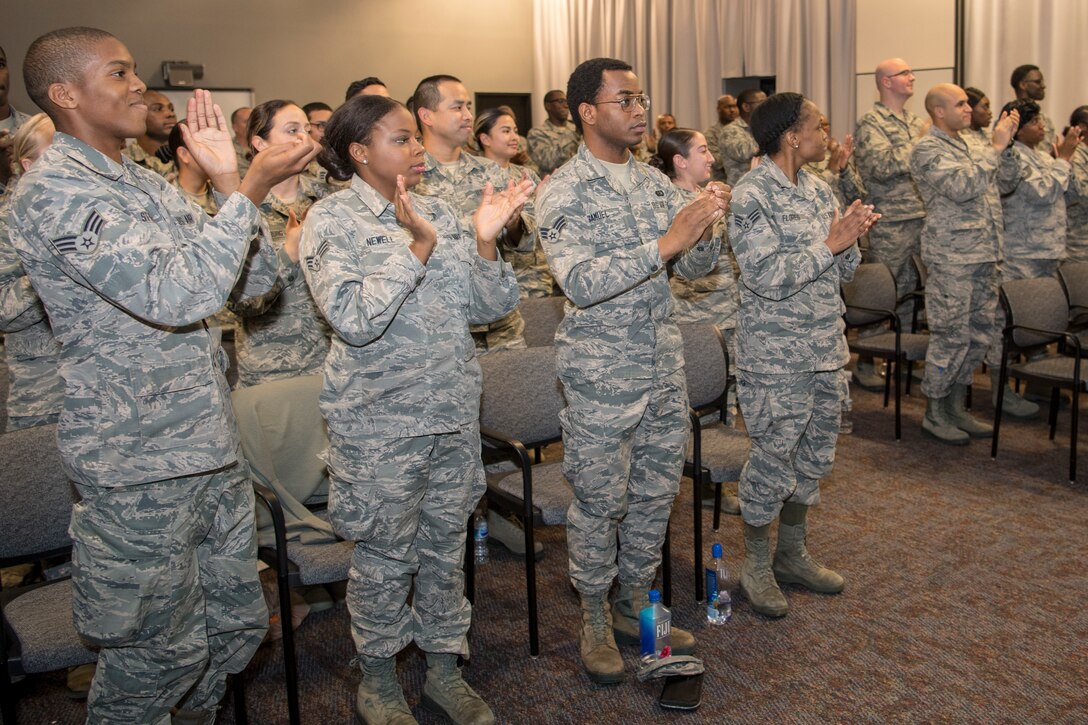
(772, 118)
(585, 83)
(1079, 116)
(59, 56)
(1029, 110)
(427, 94)
(748, 95)
(315, 106)
(550, 95)
(351, 123)
(487, 120)
(236, 111)
(675, 141)
(176, 141)
(974, 96)
(1019, 74)
(355, 86)
(260, 120)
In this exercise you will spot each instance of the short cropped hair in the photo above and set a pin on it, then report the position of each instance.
(59, 56)
(316, 106)
(585, 83)
(355, 86)
(1020, 73)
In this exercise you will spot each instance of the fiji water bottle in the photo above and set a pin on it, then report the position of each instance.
(479, 538)
(655, 629)
(719, 605)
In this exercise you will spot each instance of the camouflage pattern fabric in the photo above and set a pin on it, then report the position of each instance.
(205, 199)
(32, 353)
(620, 356)
(243, 158)
(462, 186)
(1076, 208)
(846, 184)
(961, 244)
(165, 169)
(127, 270)
(1034, 212)
(980, 137)
(883, 141)
(714, 136)
(282, 335)
(1050, 134)
(737, 148)
(401, 397)
(18, 118)
(793, 423)
(551, 146)
(790, 318)
(531, 268)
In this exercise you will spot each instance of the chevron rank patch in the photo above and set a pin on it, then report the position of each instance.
(86, 241)
(749, 220)
(313, 261)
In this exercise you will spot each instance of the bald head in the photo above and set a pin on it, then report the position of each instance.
(727, 109)
(949, 108)
(894, 82)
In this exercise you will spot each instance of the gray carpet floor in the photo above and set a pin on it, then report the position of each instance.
(965, 600)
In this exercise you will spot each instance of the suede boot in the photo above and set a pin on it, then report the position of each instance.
(867, 376)
(600, 655)
(730, 502)
(792, 563)
(756, 578)
(445, 692)
(936, 424)
(955, 411)
(509, 532)
(379, 699)
(1012, 404)
(629, 602)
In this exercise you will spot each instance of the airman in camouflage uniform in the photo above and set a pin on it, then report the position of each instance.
(738, 148)
(164, 573)
(282, 334)
(1029, 85)
(1076, 199)
(531, 268)
(35, 389)
(790, 353)
(552, 143)
(961, 246)
(727, 113)
(11, 124)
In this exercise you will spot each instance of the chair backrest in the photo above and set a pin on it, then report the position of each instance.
(521, 394)
(37, 496)
(873, 287)
(1074, 277)
(704, 363)
(542, 316)
(920, 268)
(1038, 303)
(283, 437)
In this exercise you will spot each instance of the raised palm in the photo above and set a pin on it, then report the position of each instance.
(206, 136)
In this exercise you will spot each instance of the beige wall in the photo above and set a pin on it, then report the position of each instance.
(922, 32)
(303, 51)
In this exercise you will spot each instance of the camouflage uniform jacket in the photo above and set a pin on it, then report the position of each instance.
(791, 311)
(402, 361)
(18, 119)
(959, 184)
(883, 142)
(1076, 198)
(738, 147)
(531, 268)
(551, 146)
(282, 334)
(126, 270)
(715, 295)
(846, 185)
(601, 243)
(980, 137)
(1035, 209)
(205, 199)
(243, 158)
(150, 162)
(714, 136)
(31, 350)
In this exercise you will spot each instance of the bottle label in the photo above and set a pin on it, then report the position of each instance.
(711, 584)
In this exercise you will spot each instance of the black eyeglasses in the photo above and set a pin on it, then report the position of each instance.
(902, 73)
(627, 102)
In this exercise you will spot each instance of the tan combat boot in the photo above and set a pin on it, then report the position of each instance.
(792, 563)
(445, 692)
(1012, 403)
(629, 602)
(756, 579)
(937, 425)
(600, 655)
(955, 411)
(379, 699)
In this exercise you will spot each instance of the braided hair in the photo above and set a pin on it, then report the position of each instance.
(772, 118)
(1029, 110)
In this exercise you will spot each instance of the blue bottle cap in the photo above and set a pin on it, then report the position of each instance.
(716, 551)
(655, 596)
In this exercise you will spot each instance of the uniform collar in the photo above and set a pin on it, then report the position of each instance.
(464, 163)
(372, 200)
(886, 113)
(805, 186)
(87, 156)
(589, 167)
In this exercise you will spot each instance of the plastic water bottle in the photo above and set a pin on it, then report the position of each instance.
(655, 629)
(846, 424)
(479, 537)
(719, 605)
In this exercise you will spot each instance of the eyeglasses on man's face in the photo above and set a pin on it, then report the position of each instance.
(627, 103)
(902, 74)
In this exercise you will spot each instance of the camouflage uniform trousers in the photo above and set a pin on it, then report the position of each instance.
(893, 244)
(624, 443)
(961, 300)
(165, 582)
(793, 422)
(505, 333)
(1008, 270)
(405, 503)
(1076, 250)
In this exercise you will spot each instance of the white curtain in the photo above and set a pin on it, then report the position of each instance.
(682, 49)
(1003, 34)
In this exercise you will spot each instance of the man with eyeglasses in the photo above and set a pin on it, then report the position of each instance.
(553, 142)
(1028, 85)
(609, 226)
(883, 141)
(737, 146)
(728, 110)
(318, 114)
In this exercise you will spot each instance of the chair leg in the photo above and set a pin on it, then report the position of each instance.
(530, 579)
(666, 570)
(887, 380)
(970, 397)
(697, 505)
(910, 374)
(7, 691)
(290, 664)
(898, 383)
(717, 505)
(238, 695)
(1074, 422)
(1002, 382)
